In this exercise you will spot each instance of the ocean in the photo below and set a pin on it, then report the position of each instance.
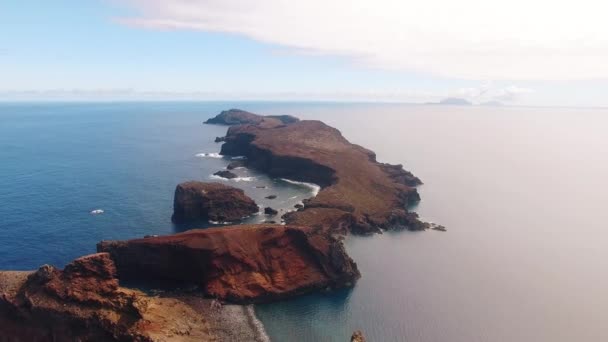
(520, 190)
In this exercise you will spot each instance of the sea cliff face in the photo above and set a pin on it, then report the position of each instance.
(243, 264)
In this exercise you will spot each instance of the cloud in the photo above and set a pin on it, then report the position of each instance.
(468, 39)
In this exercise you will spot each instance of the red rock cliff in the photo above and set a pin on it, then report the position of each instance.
(247, 263)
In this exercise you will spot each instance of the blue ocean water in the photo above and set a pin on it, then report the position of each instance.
(521, 191)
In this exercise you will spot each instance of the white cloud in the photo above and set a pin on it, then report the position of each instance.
(470, 39)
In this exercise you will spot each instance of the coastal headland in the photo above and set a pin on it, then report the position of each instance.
(88, 300)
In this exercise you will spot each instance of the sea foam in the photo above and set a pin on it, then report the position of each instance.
(237, 179)
(313, 187)
(208, 155)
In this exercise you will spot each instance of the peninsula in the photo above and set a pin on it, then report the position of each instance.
(239, 263)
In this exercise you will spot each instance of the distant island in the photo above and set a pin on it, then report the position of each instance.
(492, 104)
(452, 101)
(457, 101)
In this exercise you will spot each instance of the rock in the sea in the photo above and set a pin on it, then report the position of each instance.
(235, 163)
(270, 211)
(271, 197)
(225, 174)
(245, 263)
(357, 337)
(438, 227)
(298, 206)
(219, 139)
(195, 201)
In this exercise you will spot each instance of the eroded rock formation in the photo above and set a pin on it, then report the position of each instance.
(245, 263)
(196, 201)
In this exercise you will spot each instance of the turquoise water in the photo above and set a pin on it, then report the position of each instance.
(521, 191)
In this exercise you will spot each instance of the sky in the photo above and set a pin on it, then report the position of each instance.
(517, 52)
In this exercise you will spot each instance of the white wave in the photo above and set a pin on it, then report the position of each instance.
(243, 179)
(292, 197)
(313, 187)
(238, 158)
(257, 324)
(237, 179)
(209, 155)
(219, 222)
(97, 211)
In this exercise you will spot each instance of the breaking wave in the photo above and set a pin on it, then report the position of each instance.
(237, 179)
(208, 155)
(313, 187)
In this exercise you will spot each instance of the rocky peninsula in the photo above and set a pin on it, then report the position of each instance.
(358, 193)
(241, 264)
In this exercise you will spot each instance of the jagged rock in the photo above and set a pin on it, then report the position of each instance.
(83, 302)
(245, 263)
(270, 211)
(210, 201)
(219, 139)
(225, 174)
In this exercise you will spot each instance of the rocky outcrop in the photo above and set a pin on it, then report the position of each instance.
(235, 164)
(270, 211)
(219, 139)
(357, 337)
(246, 263)
(225, 174)
(358, 193)
(196, 201)
(84, 302)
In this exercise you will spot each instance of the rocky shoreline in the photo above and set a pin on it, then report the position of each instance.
(239, 264)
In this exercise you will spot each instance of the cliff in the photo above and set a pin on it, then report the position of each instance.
(243, 264)
(84, 302)
(194, 201)
(358, 193)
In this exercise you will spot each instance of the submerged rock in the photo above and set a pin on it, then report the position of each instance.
(195, 201)
(235, 163)
(271, 197)
(225, 174)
